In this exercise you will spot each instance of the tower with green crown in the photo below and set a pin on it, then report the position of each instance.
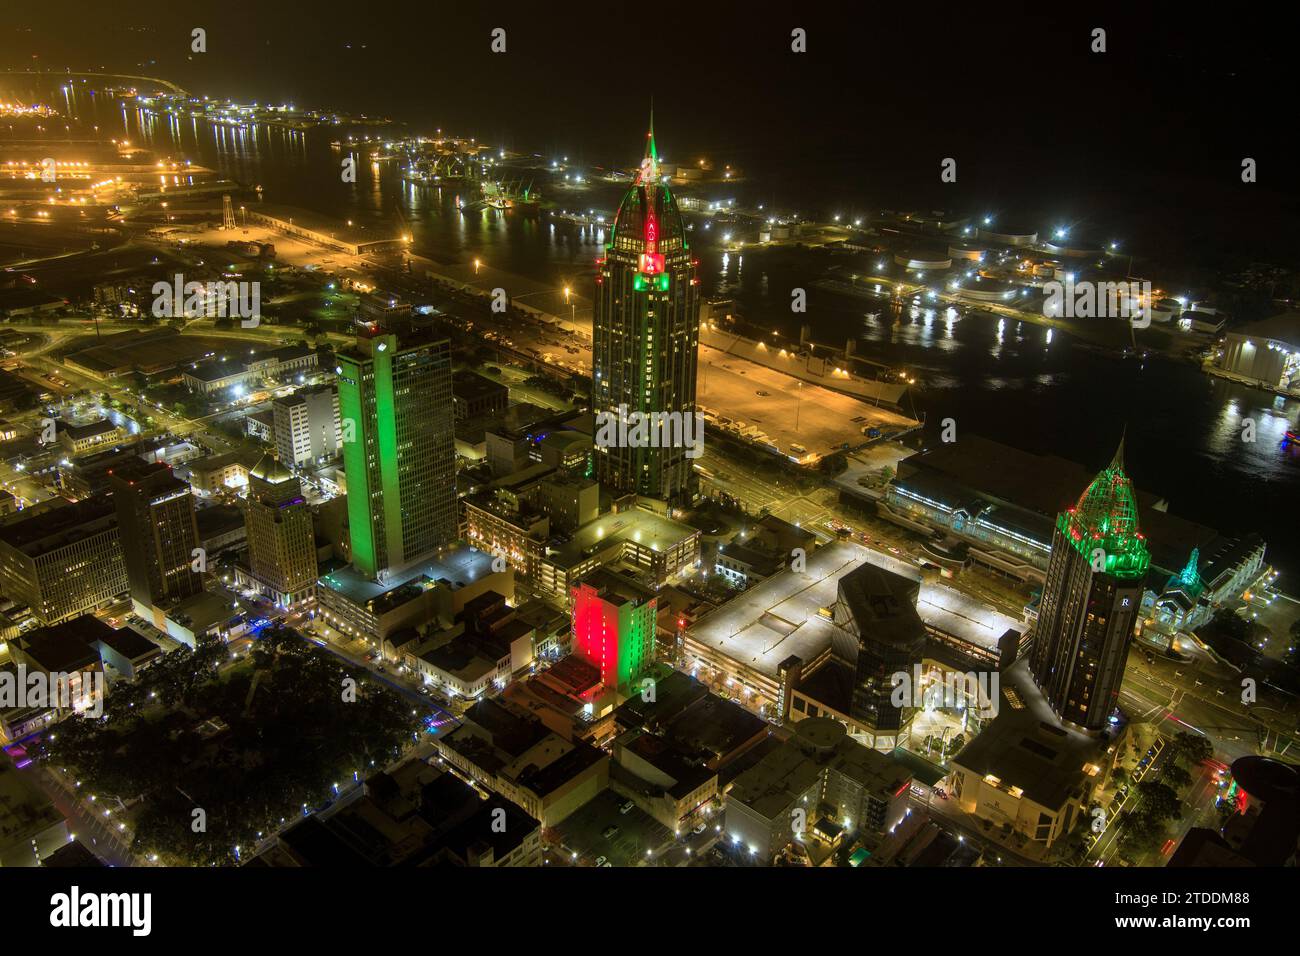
(1091, 600)
(645, 335)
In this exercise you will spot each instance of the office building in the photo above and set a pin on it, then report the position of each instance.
(1090, 600)
(395, 402)
(63, 561)
(646, 335)
(155, 516)
(281, 543)
(306, 426)
(878, 608)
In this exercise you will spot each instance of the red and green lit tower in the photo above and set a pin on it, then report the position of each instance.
(645, 334)
(1091, 599)
(614, 627)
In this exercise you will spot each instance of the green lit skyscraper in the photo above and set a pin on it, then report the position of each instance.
(1091, 600)
(645, 334)
(395, 411)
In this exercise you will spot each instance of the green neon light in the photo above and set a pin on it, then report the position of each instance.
(642, 283)
(360, 527)
(635, 642)
(386, 432)
(1106, 517)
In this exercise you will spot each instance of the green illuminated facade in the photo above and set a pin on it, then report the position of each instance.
(613, 622)
(645, 334)
(1091, 598)
(395, 408)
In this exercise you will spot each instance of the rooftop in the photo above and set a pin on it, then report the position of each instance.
(1282, 328)
(1029, 747)
(66, 647)
(458, 567)
(129, 644)
(59, 526)
(645, 528)
(779, 617)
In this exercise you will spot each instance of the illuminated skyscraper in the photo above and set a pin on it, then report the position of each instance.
(1091, 600)
(614, 627)
(645, 335)
(396, 419)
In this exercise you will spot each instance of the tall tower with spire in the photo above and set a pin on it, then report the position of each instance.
(645, 334)
(1091, 599)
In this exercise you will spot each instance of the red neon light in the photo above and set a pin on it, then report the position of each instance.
(595, 632)
(652, 263)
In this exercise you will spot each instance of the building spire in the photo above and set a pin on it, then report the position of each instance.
(1118, 460)
(651, 152)
(649, 172)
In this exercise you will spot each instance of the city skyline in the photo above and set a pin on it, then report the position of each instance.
(720, 438)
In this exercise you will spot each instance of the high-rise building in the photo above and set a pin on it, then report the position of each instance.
(396, 417)
(645, 336)
(155, 514)
(281, 543)
(63, 561)
(614, 627)
(307, 425)
(1090, 600)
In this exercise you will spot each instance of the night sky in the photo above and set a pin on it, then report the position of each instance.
(1144, 140)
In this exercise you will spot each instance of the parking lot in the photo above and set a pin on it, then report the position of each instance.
(582, 833)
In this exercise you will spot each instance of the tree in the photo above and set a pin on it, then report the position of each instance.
(1159, 800)
(1141, 834)
(1191, 748)
(1176, 776)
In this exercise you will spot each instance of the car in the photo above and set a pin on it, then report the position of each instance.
(700, 828)
(610, 831)
(626, 806)
(601, 861)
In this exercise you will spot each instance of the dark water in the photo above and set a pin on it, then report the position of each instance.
(1006, 381)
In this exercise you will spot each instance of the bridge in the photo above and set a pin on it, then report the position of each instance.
(161, 84)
